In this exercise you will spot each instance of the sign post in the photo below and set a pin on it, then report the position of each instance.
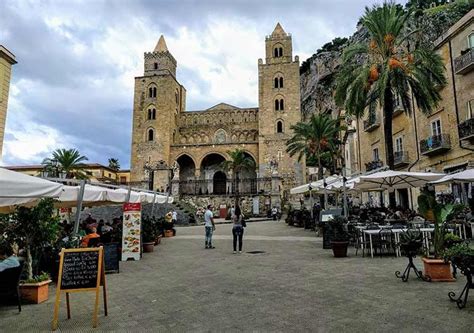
(131, 231)
(80, 270)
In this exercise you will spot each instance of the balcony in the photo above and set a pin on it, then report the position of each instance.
(373, 165)
(464, 63)
(397, 109)
(435, 144)
(371, 124)
(400, 158)
(466, 130)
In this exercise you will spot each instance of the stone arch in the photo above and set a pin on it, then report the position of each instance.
(279, 126)
(220, 136)
(151, 90)
(150, 134)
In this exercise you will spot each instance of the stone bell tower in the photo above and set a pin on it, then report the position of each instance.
(158, 99)
(279, 108)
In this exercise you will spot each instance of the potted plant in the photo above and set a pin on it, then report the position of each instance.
(462, 256)
(411, 242)
(158, 226)
(33, 230)
(148, 234)
(436, 268)
(36, 290)
(168, 225)
(426, 204)
(339, 236)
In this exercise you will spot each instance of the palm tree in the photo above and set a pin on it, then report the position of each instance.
(386, 69)
(114, 164)
(313, 138)
(239, 161)
(67, 161)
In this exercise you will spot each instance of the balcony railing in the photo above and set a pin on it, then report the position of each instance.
(372, 165)
(226, 187)
(464, 63)
(400, 158)
(397, 109)
(371, 123)
(466, 130)
(435, 144)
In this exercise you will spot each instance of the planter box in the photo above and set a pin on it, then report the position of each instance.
(35, 292)
(168, 233)
(438, 270)
(148, 247)
(339, 249)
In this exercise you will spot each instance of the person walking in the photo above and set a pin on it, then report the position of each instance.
(174, 216)
(209, 226)
(238, 229)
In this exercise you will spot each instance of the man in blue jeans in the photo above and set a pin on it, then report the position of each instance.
(209, 226)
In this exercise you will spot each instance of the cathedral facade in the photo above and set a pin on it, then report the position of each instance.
(170, 144)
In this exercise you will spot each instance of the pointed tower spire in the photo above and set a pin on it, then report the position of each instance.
(161, 45)
(278, 30)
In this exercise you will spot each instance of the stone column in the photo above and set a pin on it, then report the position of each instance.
(175, 187)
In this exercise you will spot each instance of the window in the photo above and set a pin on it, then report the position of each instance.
(282, 105)
(176, 96)
(123, 180)
(471, 41)
(152, 92)
(281, 82)
(375, 154)
(156, 65)
(151, 114)
(280, 52)
(279, 126)
(399, 144)
(276, 83)
(436, 127)
(277, 105)
(151, 135)
(275, 52)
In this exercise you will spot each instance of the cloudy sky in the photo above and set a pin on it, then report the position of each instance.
(73, 84)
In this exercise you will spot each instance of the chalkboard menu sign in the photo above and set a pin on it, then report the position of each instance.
(111, 257)
(80, 270)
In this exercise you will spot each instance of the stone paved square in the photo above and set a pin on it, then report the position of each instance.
(294, 286)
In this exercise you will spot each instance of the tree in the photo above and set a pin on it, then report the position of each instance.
(239, 161)
(67, 161)
(313, 138)
(114, 164)
(386, 70)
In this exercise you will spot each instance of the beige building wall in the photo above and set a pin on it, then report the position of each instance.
(7, 59)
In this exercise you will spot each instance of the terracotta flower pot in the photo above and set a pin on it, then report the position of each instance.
(438, 270)
(35, 292)
(339, 249)
(148, 247)
(168, 233)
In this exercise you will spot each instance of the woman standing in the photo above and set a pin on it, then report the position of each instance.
(238, 229)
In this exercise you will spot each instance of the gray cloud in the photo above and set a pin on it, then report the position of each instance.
(68, 80)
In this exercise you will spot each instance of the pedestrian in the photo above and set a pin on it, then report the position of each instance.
(232, 213)
(274, 213)
(209, 226)
(238, 229)
(174, 217)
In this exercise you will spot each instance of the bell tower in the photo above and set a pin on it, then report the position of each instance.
(279, 106)
(158, 100)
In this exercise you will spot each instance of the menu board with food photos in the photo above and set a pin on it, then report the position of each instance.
(132, 220)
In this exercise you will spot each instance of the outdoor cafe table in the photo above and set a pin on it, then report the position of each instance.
(425, 232)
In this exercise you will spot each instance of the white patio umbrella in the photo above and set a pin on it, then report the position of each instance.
(120, 195)
(466, 176)
(17, 188)
(390, 180)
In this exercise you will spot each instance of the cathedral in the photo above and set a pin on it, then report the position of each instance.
(173, 145)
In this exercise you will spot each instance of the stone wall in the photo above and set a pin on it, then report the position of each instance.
(7, 59)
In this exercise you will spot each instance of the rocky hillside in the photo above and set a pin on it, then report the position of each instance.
(318, 72)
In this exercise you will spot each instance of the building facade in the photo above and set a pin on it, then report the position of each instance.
(188, 147)
(7, 60)
(442, 141)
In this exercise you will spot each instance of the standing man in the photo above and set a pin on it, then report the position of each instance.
(174, 217)
(232, 213)
(209, 226)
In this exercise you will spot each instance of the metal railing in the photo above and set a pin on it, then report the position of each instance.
(400, 157)
(372, 165)
(435, 143)
(371, 123)
(226, 187)
(464, 63)
(466, 129)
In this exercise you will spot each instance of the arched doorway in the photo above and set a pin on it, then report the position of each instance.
(187, 170)
(211, 164)
(219, 182)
